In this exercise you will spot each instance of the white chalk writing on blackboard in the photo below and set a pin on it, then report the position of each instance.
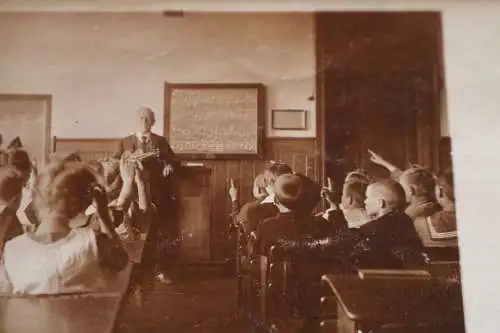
(216, 121)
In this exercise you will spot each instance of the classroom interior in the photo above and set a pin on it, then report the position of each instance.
(358, 81)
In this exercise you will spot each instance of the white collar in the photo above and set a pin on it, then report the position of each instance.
(90, 210)
(268, 199)
(140, 135)
(283, 209)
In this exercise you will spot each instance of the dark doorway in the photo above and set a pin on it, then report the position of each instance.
(380, 77)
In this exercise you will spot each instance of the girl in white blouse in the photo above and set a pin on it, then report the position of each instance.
(55, 258)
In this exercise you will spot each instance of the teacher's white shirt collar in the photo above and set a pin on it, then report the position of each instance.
(140, 135)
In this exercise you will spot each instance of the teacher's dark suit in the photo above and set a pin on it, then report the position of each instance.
(164, 190)
(132, 143)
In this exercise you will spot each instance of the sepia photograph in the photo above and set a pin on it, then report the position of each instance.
(230, 171)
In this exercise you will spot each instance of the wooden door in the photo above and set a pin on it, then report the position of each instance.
(393, 113)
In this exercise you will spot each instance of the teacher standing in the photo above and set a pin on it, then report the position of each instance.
(148, 141)
(162, 183)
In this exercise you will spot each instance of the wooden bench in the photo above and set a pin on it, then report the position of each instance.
(276, 298)
(72, 313)
(273, 299)
(404, 305)
(60, 314)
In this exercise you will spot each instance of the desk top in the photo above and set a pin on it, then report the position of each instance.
(397, 300)
(78, 313)
(61, 314)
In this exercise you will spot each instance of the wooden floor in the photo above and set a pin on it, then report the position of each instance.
(196, 301)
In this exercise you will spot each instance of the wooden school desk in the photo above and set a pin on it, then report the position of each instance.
(59, 314)
(84, 313)
(365, 304)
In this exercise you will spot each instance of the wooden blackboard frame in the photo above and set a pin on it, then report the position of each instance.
(261, 117)
(47, 99)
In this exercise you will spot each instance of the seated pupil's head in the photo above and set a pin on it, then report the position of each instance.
(63, 190)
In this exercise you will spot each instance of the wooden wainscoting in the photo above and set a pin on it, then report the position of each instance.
(88, 149)
(300, 153)
(445, 153)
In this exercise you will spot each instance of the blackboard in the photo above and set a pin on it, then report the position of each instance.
(28, 117)
(219, 121)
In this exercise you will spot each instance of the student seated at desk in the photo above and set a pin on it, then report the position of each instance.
(296, 196)
(55, 258)
(352, 203)
(418, 184)
(259, 193)
(253, 213)
(388, 241)
(442, 225)
(439, 231)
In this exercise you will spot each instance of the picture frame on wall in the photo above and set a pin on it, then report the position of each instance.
(289, 119)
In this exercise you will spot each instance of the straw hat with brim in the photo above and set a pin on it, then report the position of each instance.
(296, 191)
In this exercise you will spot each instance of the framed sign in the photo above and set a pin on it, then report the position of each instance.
(215, 121)
(289, 119)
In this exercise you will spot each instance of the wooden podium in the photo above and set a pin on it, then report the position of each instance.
(195, 214)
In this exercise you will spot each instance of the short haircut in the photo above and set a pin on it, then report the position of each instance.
(359, 175)
(356, 190)
(11, 182)
(144, 110)
(274, 171)
(64, 188)
(391, 192)
(422, 180)
(445, 181)
(298, 192)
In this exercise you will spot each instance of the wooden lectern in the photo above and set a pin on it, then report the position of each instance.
(195, 213)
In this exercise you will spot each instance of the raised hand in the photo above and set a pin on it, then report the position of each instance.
(233, 191)
(168, 170)
(328, 193)
(329, 183)
(127, 168)
(376, 158)
(379, 160)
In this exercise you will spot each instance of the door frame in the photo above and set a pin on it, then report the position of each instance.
(47, 99)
